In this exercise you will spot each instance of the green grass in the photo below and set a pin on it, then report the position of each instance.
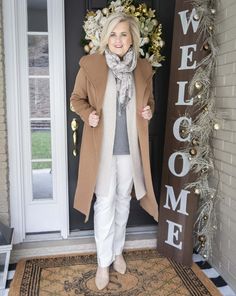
(41, 148)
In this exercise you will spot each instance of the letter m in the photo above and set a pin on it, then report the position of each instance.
(182, 200)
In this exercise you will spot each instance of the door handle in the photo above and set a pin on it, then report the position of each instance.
(74, 127)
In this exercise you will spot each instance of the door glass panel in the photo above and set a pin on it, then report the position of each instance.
(39, 97)
(41, 139)
(38, 54)
(42, 180)
(39, 100)
(37, 15)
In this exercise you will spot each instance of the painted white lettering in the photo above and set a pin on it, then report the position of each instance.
(176, 129)
(182, 85)
(185, 23)
(173, 233)
(186, 165)
(187, 56)
(182, 200)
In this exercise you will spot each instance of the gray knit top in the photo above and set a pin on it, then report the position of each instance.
(121, 143)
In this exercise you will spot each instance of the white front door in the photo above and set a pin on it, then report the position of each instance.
(39, 198)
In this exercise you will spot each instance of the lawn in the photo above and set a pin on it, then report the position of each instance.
(41, 148)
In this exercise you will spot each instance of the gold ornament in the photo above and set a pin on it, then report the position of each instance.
(202, 238)
(105, 11)
(197, 191)
(199, 96)
(144, 10)
(198, 85)
(195, 142)
(205, 109)
(184, 131)
(193, 151)
(155, 22)
(161, 43)
(86, 48)
(204, 170)
(210, 28)
(132, 8)
(206, 46)
(91, 45)
(213, 11)
(216, 126)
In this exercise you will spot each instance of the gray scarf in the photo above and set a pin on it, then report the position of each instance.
(122, 69)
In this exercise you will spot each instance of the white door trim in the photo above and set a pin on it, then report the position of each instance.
(12, 79)
(15, 18)
(56, 31)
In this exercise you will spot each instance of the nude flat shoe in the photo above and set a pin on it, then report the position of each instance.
(102, 277)
(119, 264)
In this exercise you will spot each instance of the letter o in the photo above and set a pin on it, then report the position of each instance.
(186, 165)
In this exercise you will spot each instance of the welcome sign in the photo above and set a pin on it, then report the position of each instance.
(178, 206)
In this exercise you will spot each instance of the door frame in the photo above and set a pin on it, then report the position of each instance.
(16, 66)
(14, 13)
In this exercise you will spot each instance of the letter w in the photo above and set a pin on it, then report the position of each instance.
(186, 23)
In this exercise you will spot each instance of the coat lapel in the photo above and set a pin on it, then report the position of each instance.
(97, 72)
(141, 76)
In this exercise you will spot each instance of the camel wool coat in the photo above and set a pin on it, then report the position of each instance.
(87, 96)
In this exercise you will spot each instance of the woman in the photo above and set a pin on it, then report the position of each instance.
(113, 96)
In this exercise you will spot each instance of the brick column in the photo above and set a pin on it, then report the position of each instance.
(4, 183)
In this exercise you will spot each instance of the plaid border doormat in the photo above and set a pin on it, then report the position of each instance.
(148, 273)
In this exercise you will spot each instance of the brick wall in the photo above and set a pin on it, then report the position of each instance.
(224, 250)
(4, 185)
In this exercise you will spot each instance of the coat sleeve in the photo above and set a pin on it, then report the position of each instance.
(79, 101)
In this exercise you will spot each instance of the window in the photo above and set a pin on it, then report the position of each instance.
(39, 100)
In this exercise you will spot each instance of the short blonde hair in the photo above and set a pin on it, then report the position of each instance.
(110, 24)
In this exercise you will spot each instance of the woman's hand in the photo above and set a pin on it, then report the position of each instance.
(93, 119)
(146, 113)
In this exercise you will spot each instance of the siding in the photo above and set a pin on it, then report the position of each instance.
(224, 143)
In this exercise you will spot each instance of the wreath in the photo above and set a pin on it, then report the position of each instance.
(150, 29)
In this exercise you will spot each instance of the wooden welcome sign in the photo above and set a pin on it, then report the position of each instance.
(178, 206)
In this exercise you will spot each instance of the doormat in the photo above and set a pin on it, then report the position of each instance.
(148, 273)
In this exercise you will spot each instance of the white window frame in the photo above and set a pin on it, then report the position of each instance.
(16, 73)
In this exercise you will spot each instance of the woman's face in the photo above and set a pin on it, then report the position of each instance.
(120, 39)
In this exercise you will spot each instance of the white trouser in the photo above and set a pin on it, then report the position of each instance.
(111, 212)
